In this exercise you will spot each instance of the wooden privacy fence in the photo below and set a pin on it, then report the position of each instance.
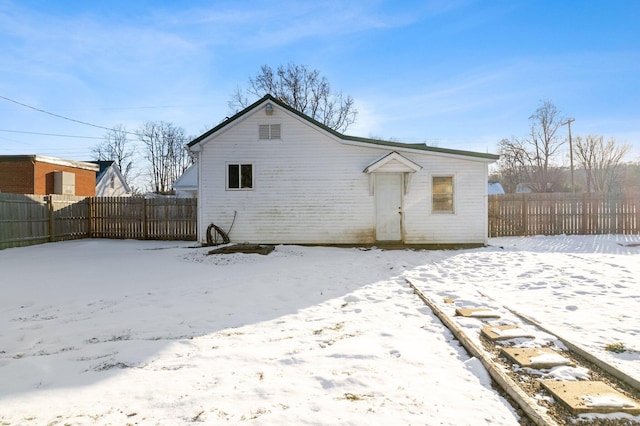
(165, 218)
(563, 213)
(34, 219)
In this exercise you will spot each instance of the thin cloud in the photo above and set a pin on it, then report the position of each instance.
(264, 25)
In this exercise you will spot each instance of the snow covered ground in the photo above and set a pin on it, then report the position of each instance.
(157, 333)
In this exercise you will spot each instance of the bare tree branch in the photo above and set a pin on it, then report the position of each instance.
(304, 90)
(166, 152)
(117, 147)
(602, 162)
(532, 160)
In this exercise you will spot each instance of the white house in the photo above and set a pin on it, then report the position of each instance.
(186, 186)
(270, 174)
(109, 180)
(495, 188)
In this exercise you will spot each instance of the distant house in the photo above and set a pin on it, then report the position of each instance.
(495, 188)
(37, 174)
(523, 188)
(278, 176)
(109, 180)
(186, 186)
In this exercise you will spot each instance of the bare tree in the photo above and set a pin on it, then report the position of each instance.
(533, 159)
(544, 144)
(304, 90)
(166, 152)
(118, 148)
(631, 171)
(512, 164)
(602, 162)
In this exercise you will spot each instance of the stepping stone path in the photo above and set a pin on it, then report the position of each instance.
(504, 332)
(536, 358)
(591, 397)
(477, 313)
(579, 396)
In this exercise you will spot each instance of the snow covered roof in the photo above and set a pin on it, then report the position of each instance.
(495, 188)
(51, 160)
(188, 180)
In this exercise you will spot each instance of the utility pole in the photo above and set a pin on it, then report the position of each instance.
(568, 123)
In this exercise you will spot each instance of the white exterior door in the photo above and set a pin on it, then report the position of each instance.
(388, 198)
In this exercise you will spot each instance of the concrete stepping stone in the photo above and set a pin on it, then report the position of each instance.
(591, 397)
(504, 332)
(536, 357)
(477, 313)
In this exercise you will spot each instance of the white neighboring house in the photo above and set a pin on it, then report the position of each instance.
(281, 177)
(523, 188)
(109, 180)
(186, 186)
(495, 188)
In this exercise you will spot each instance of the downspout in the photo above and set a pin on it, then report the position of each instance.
(486, 204)
(199, 221)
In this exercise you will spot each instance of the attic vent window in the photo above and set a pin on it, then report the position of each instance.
(269, 131)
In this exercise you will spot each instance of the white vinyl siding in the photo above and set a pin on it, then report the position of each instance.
(111, 184)
(310, 188)
(269, 131)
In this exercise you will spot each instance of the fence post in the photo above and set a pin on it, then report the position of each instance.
(525, 214)
(90, 217)
(636, 210)
(145, 231)
(587, 212)
(50, 213)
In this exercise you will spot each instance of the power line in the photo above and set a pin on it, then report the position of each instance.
(50, 134)
(58, 115)
(131, 107)
(65, 136)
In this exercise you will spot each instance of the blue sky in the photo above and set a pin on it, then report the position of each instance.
(459, 74)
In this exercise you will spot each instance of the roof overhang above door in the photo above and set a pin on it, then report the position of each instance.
(392, 162)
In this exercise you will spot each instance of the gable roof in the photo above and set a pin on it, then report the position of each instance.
(398, 163)
(346, 138)
(188, 179)
(104, 166)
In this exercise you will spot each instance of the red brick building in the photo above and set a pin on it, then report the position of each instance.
(36, 174)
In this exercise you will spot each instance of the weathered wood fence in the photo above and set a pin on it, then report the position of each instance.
(563, 213)
(34, 219)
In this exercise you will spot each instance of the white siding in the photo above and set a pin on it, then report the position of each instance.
(310, 188)
(467, 224)
(111, 185)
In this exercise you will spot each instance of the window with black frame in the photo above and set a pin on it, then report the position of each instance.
(240, 176)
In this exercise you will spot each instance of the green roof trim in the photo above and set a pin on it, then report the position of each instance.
(270, 98)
